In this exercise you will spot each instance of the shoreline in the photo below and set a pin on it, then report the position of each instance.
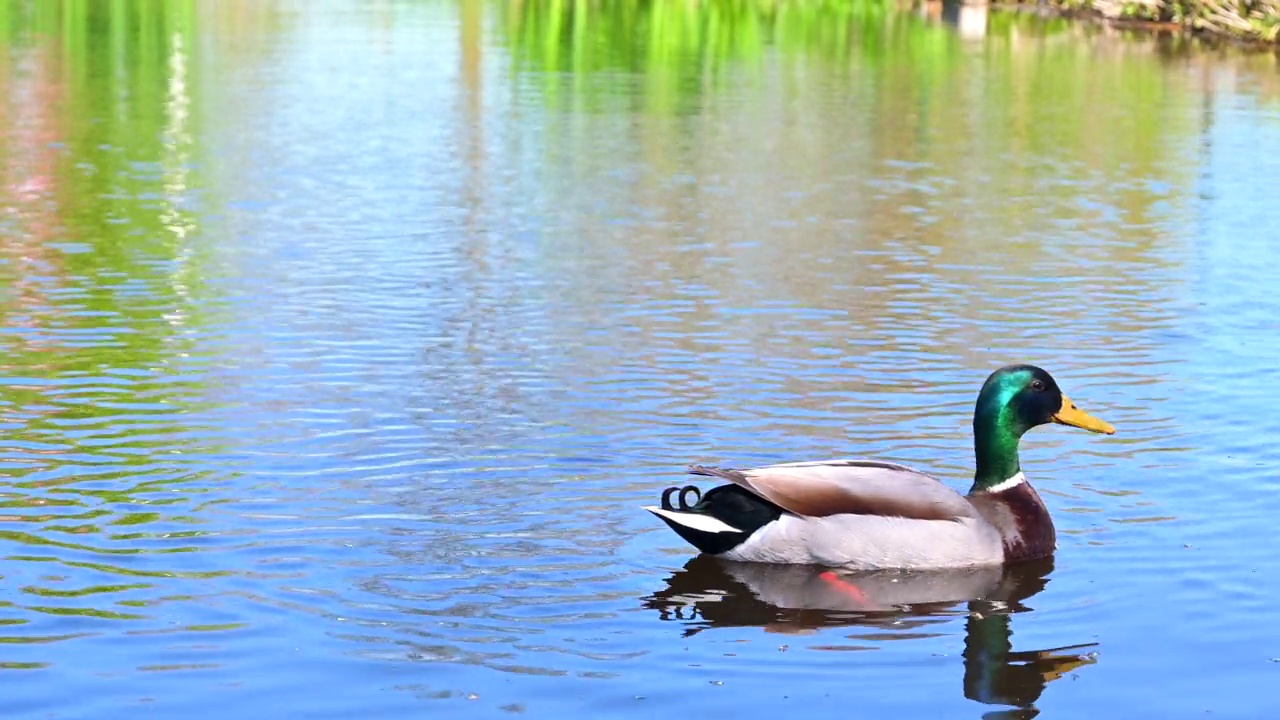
(1257, 37)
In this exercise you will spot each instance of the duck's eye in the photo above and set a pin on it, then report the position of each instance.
(1037, 385)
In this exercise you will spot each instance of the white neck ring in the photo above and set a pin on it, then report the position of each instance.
(1009, 484)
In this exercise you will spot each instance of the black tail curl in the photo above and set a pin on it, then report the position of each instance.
(681, 498)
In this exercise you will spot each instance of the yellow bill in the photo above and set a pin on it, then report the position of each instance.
(1071, 415)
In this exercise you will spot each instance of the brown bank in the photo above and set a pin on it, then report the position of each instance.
(1251, 21)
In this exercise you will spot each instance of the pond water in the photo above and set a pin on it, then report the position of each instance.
(342, 343)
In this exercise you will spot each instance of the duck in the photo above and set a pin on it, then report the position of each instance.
(867, 514)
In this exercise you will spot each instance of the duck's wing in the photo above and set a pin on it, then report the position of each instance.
(859, 487)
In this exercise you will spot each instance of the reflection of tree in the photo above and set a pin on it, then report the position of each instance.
(710, 593)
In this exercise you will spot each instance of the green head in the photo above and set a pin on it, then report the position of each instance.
(1015, 399)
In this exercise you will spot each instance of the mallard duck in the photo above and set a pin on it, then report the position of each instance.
(865, 514)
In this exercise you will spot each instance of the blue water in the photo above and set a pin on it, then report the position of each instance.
(341, 344)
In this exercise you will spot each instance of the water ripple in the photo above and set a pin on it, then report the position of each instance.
(303, 380)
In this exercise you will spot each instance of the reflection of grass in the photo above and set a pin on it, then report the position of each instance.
(85, 612)
(82, 592)
(716, 29)
(102, 269)
(39, 639)
(680, 52)
(678, 45)
(681, 48)
(34, 540)
(625, 34)
(129, 572)
(109, 88)
(1036, 140)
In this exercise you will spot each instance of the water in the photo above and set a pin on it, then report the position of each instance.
(342, 342)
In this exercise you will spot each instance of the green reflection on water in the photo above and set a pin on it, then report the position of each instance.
(81, 592)
(1020, 147)
(101, 567)
(682, 48)
(103, 294)
(97, 174)
(85, 612)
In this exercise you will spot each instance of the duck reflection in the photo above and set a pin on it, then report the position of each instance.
(709, 592)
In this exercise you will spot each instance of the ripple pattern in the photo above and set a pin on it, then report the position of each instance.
(340, 347)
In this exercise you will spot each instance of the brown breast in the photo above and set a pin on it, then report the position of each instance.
(1022, 520)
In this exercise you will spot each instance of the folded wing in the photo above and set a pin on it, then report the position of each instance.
(860, 487)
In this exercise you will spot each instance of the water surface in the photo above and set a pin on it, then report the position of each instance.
(341, 343)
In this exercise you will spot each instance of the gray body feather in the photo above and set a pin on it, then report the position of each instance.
(863, 515)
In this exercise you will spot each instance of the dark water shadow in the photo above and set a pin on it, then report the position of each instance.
(712, 593)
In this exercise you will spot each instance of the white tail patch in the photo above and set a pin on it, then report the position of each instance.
(1012, 482)
(695, 521)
